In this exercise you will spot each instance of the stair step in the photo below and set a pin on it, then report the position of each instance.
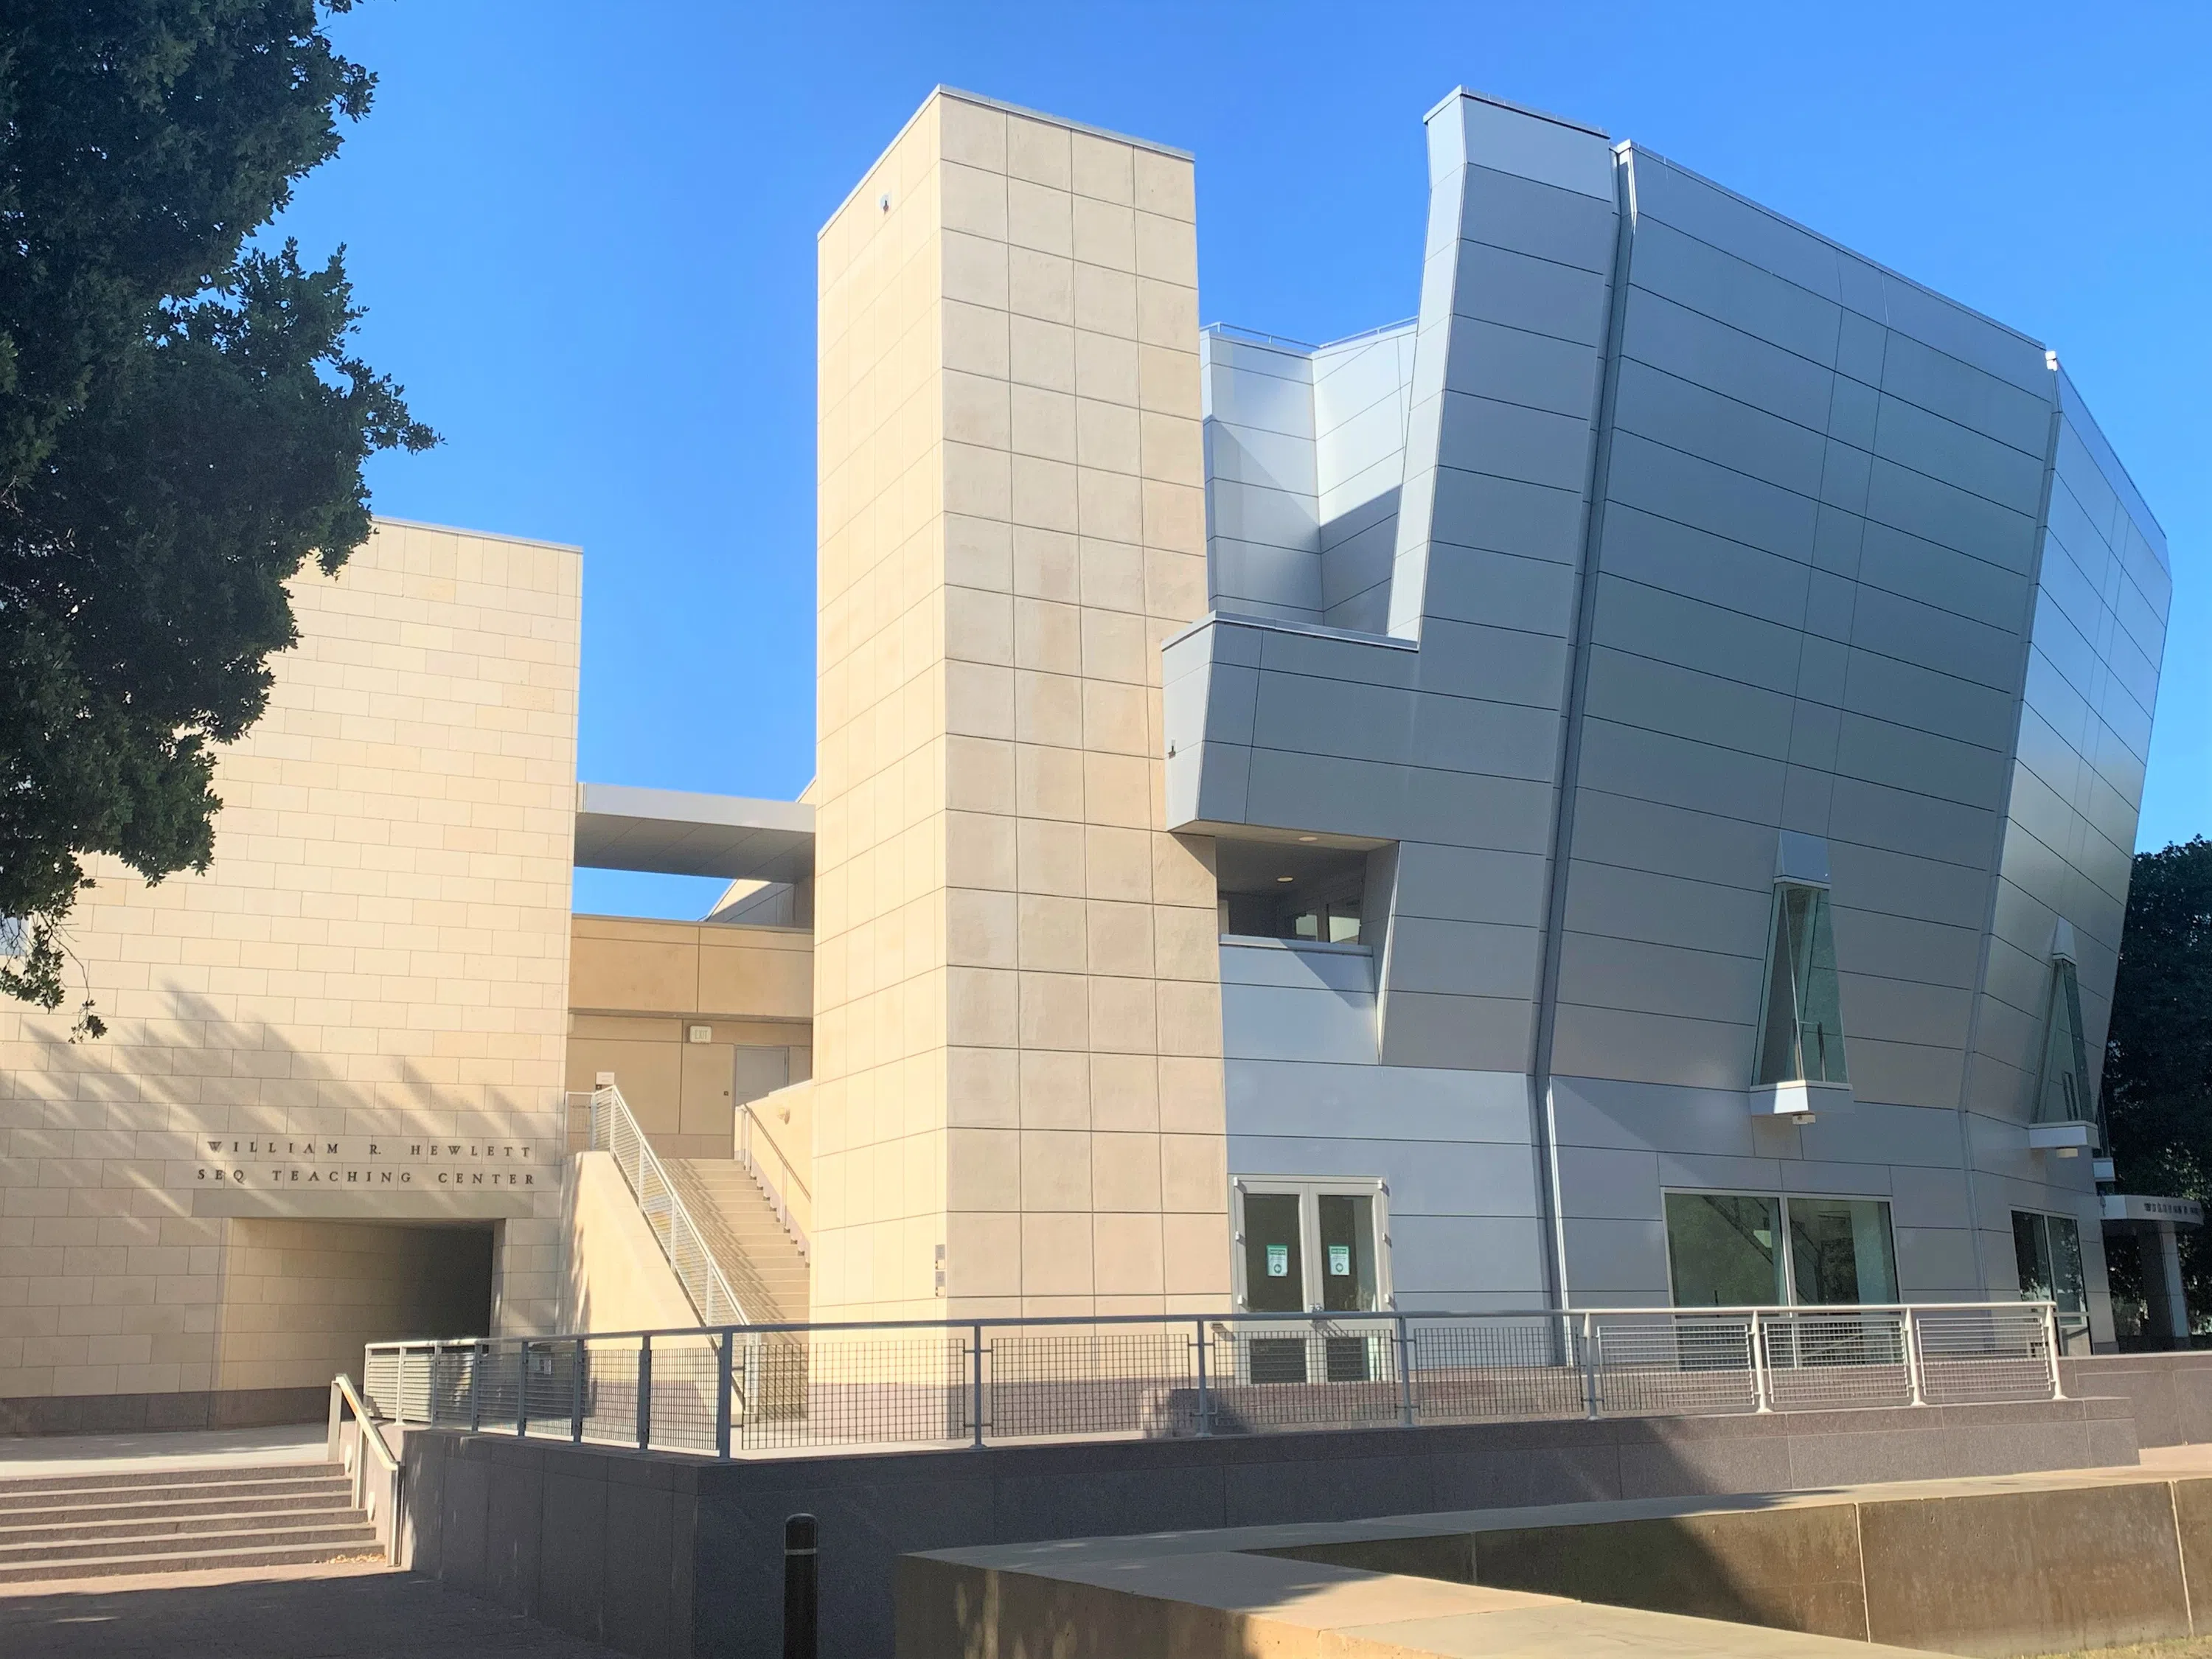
(14, 1487)
(357, 1534)
(256, 1555)
(92, 1525)
(172, 1503)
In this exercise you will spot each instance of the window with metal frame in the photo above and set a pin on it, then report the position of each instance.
(1759, 1250)
(1308, 1247)
(2047, 1251)
(2063, 1091)
(1801, 1023)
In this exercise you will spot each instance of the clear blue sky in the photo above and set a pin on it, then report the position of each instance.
(584, 234)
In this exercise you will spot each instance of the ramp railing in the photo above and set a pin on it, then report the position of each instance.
(772, 1389)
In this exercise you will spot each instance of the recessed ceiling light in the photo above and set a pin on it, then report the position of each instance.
(1309, 837)
(1284, 878)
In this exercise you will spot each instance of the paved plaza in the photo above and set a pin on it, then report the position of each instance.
(367, 1612)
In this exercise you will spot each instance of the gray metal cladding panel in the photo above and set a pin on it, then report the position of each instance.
(1475, 1034)
(1927, 1198)
(1302, 714)
(1364, 662)
(1606, 899)
(1958, 391)
(1912, 632)
(1498, 286)
(1661, 696)
(1470, 659)
(1435, 1255)
(1812, 1176)
(1854, 411)
(1566, 227)
(1499, 740)
(1877, 816)
(1711, 1172)
(1474, 509)
(1425, 1177)
(1861, 344)
(1386, 1102)
(1463, 958)
(1508, 440)
(1970, 460)
(1652, 622)
(1693, 347)
(1250, 455)
(1879, 751)
(1943, 512)
(1609, 1182)
(1926, 699)
(1265, 1021)
(1874, 941)
(1675, 196)
(1879, 881)
(1912, 310)
(1697, 844)
(1610, 1260)
(1689, 417)
(1677, 772)
(1705, 278)
(1905, 1011)
(1913, 568)
(1904, 1074)
(1471, 883)
(1611, 1112)
(1936, 1263)
(1249, 574)
(1598, 972)
(1469, 584)
(1656, 552)
(1640, 1048)
(1297, 967)
(1678, 486)
(1482, 133)
(1871, 1132)
(1521, 367)
(1271, 516)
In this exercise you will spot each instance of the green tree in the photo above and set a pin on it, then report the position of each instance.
(182, 424)
(2158, 1057)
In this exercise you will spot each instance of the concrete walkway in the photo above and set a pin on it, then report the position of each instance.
(300, 1613)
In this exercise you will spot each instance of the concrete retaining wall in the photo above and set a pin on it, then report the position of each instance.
(2170, 1393)
(660, 1554)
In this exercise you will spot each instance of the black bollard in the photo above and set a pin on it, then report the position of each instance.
(802, 1586)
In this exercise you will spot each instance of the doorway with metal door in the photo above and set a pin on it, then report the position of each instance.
(1311, 1247)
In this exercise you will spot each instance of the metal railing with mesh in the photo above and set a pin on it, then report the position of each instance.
(614, 1130)
(741, 1390)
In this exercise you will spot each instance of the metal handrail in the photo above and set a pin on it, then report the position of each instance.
(615, 1130)
(773, 1190)
(1071, 1376)
(369, 1432)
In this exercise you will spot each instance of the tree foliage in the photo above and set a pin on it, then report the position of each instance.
(2158, 1056)
(183, 423)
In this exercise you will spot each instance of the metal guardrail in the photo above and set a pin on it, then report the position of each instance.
(772, 1187)
(614, 1130)
(923, 1383)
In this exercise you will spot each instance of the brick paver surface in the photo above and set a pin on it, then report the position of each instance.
(328, 1613)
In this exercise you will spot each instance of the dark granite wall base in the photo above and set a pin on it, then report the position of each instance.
(156, 1414)
(657, 1554)
(2171, 1393)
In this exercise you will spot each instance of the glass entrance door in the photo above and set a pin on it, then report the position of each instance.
(1310, 1247)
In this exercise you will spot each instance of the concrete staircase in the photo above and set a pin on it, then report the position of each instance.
(149, 1521)
(760, 1259)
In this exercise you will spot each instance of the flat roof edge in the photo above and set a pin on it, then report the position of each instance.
(481, 535)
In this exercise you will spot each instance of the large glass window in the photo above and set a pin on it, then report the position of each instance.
(1801, 1034)
(1840, 1250)
(1725, 1250)
(1737, 1249)
(2062, 1090)
(2047, 1250)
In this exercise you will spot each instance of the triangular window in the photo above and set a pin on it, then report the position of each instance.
(2061, 1094)
(1801, 1029)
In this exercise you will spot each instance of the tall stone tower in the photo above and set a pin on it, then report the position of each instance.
(1018, 1006)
